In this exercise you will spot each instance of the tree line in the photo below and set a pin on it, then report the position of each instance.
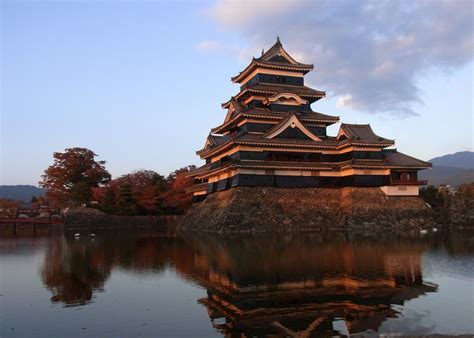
(451, 206)
(76, 178)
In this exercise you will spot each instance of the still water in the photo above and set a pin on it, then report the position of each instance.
(289, 285)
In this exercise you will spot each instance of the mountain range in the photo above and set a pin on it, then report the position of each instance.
(20, 192)
(462, 159)
(452, 169)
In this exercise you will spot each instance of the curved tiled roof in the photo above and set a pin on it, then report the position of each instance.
(278, 54)
(275, 58)
(326, 142)
(216, 139)
(267, 114)
(268, 88)
(394, 158)
(200, 170)
(303, 116)
(362, 133)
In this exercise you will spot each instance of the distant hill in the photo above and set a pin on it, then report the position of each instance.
(462, 159)
(447, 175)
(452, 169)
(20, 192)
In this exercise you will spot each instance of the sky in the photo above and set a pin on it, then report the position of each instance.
(141, 82)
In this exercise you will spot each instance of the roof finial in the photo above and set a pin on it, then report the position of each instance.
(278, 39)
(262, 51)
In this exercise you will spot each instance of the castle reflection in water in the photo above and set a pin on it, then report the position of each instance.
(285, 285)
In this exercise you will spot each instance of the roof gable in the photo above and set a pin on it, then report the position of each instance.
(291, 121)
(341, 135)
(213, 140)
(277, 54)
(286, 98)
(233, 106)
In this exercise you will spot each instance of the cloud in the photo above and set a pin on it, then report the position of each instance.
(240, 12)
(368, 53)
(344, 101)
(207, 45)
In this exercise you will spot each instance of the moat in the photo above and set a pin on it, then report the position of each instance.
(164, 284)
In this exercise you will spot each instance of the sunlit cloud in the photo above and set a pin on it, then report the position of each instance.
(368, 54)
(344, 101)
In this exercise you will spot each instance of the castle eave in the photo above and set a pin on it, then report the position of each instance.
(271, 89)
(303, 68)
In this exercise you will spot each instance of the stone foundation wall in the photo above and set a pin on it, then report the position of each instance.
(88, 219)
(252, 209)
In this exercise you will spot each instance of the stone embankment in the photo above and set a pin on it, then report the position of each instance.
(88, 218)
(244, 209)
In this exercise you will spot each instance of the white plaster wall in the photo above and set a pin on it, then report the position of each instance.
(401, 190)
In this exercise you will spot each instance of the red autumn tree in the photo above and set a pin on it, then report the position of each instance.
(6, 203)
(72, 175)
(146, 186)
(135, 193)
(146, 192)
(176, 199)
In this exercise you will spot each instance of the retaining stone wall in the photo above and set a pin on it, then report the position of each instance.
(254, 209)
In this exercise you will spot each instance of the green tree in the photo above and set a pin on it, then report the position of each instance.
(72, 175)
(439, 200)
(432, 196)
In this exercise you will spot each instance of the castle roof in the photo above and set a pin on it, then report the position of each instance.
(267, 88)
(361, 133)
(275, 58)
(267, 114)
(395, 158)
(214, 140)
(391, 160)
(259, 140)
(326, 142)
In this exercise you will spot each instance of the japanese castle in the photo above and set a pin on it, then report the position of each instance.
(271, 137)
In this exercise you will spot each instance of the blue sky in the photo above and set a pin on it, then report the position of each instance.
(141, 83)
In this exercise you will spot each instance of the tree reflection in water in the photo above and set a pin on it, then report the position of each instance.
(73, 271)
(284, 284)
